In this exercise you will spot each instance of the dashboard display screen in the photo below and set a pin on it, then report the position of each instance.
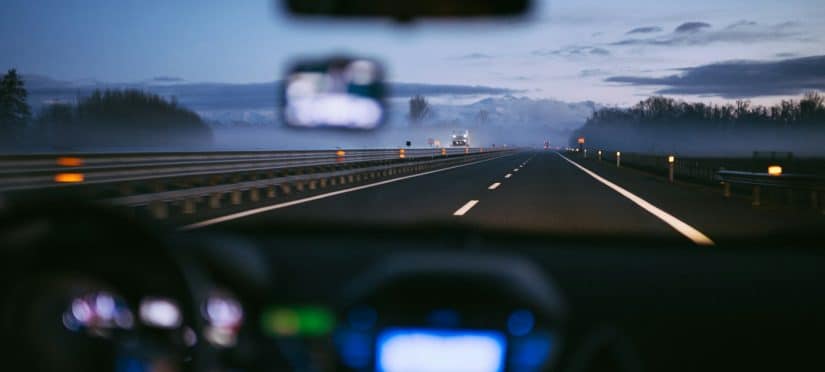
(430, 350)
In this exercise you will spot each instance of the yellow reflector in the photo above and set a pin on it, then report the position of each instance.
(66, 161)
(68, 177)
(340, 153)
(775, 170)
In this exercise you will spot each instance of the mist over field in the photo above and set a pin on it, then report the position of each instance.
(245, 116)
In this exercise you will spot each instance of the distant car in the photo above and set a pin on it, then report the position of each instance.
(461, 140)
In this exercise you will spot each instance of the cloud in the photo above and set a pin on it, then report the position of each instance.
(167, 79)
(740, 79)
(571, 51)
(785, 55)
(589, 72)
(739, 24)
(645, 30)
(474, 56)
(696, 33)
(411, 89)
(691, 27)
(600, 51)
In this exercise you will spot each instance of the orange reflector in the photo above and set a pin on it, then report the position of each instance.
(340, 153)
(775, 170)
(66, 161)
(443, 151)
(68, 177)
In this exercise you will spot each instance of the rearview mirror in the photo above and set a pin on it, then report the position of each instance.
(334, 93)
(408, 9)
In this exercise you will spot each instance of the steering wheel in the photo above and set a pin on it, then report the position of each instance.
(87, 288)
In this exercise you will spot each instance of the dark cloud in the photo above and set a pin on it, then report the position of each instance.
(571, 51)
(692, 33)
(740, 79)
(592, 72)
(645, 30)
(742, 23)
(600, 51)
(474, 56)
(167, 79)
(691, 27)
(785, 55)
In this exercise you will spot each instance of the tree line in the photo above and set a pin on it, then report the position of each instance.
(110, 118)
(665, 124)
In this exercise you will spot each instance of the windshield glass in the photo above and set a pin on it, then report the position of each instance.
(700, 119)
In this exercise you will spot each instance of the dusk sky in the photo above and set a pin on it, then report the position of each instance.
(572, 50)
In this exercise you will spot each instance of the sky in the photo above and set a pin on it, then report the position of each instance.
(614, 53)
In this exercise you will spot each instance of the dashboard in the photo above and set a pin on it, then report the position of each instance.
(88, 289)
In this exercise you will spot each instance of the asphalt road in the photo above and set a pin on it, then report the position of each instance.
(547, 192)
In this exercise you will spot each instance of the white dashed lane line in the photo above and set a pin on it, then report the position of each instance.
(494, 186)
(508, 175)
(464, 209)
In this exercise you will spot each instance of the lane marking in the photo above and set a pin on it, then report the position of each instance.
(683, 228)
(515, 170)
(470, 204)
(494, 186)
(508, 175)
(250, 212)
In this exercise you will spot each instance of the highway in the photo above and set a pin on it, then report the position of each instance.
(542, 191)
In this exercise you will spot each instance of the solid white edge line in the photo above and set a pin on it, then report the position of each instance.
(250, 212)
(494, 186)
(683, 228)
(464, 209)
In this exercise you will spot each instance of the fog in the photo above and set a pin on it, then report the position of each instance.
(690, 140)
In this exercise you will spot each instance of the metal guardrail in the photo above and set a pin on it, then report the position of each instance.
(159, 181)
(815, 185)
(42, 171)
(712, 171)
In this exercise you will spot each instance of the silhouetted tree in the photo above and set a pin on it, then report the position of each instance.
(14, 111)
(123, 117)
(419, 109)
(658, 117)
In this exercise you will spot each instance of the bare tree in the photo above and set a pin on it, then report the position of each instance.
(419, 109)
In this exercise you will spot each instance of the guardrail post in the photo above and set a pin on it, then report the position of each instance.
(270, 192)
(618, 159)
(254, 195)
(189, 206)
(726, 189)
(159, 209)
(235, 197)
(215, 200)
(757, 201)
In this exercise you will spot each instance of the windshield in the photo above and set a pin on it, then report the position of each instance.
(699, 120)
